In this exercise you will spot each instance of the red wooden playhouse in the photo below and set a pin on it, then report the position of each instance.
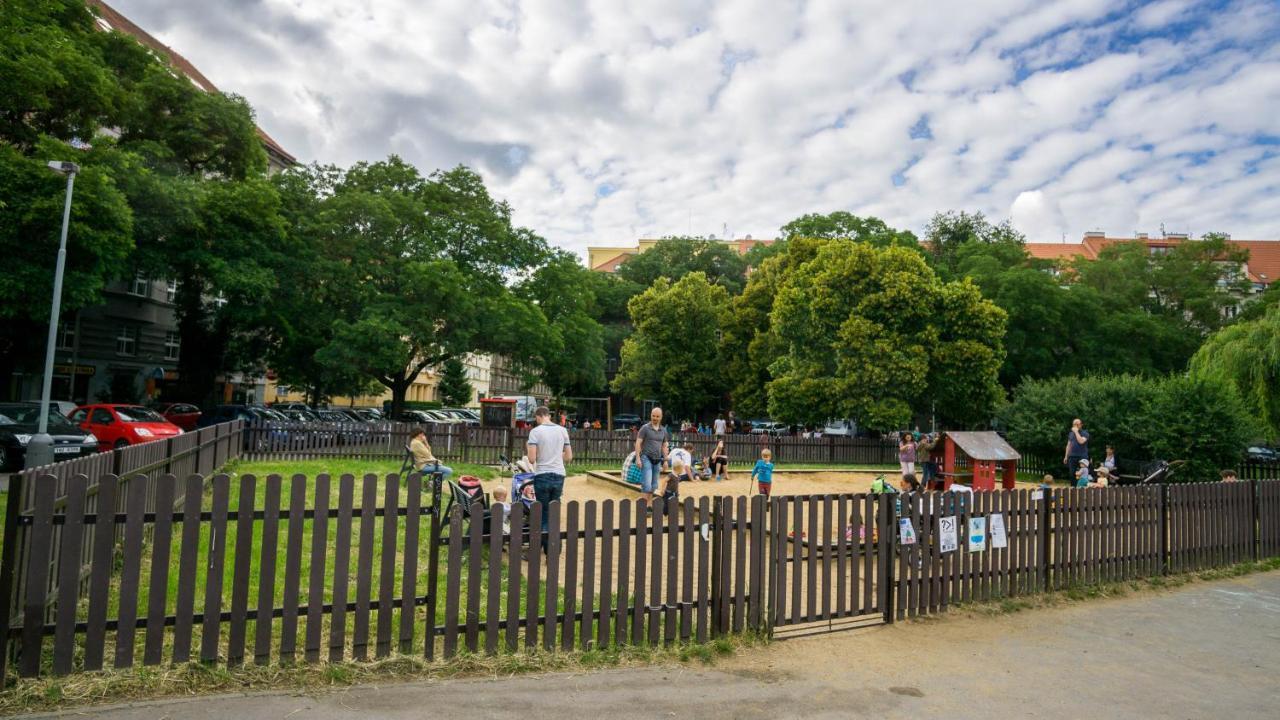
(979, 457)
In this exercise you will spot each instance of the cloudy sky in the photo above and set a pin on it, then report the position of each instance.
(606, 120)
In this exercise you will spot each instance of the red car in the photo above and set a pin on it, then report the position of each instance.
(184, 415)
(116, 426)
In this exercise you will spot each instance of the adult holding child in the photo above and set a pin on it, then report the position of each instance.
(652, 448)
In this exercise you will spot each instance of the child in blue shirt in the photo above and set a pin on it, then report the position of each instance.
(1082, 475)
(762, 473)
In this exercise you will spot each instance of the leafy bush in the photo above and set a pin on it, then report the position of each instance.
(1200, 421)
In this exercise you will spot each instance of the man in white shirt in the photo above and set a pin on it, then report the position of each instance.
(719, 426)
(549, 450)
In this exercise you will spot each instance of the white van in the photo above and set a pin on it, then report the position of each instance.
(843, 426)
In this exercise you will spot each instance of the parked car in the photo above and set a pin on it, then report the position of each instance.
(626, 421)
(1258, 453)
(274, 436)
(296, 414)
(118, 426)
(282, 406)
(19, 421)
(462, 415)
(768, 427)
(414, 416)
(184, 415)
(844, 426)
(370, 414)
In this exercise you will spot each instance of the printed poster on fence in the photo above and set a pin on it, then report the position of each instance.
(998, 537)
(947, 539)
(977, 534)
(906, 531)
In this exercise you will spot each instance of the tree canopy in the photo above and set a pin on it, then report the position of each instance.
(673, 355)
(872, 333)
(1247, 356)
(674, 257)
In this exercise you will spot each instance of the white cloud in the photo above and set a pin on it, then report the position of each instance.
(604, 120)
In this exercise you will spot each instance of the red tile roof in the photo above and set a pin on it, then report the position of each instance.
(1262, 267)
(115, 21)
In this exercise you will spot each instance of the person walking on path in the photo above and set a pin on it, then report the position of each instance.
(907, 454)
(549, 450)
(1077, 447)
(424, 460)
(652, 447)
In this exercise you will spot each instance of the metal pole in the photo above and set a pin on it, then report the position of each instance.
(40, 448)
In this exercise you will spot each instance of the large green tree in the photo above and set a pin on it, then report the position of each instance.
(1247, 356)
(675, 257)
(846, 225)
(873, 334)
(948, 232)
(416, 270)
(673, 355)
(570, 355)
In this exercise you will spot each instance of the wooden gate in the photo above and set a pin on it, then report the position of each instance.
(830, 554)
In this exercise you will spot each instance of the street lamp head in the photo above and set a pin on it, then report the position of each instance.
(63, 167)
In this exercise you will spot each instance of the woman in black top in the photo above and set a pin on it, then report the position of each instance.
(719, 461)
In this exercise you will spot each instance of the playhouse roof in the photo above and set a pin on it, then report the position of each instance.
(984, 445)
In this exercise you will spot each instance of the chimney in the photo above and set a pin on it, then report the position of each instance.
(1142, 236)
(1095, 234)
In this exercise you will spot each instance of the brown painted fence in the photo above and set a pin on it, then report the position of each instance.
(246, 569)
(460, 443)
(141, 466)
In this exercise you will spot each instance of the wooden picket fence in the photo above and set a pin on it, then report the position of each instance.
(276, 569)
(277, 440)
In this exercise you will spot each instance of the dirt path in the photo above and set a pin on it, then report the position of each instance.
(1208, 650)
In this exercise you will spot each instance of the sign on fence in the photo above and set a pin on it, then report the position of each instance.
(998, 537)
(948, 542)
(977, 534)
(906, 531)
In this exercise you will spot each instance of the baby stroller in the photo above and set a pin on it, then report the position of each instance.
(465, 492)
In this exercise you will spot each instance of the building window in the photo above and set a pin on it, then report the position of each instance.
(171, 291)
(172, 344)
(141, 286)
(67, 333)
(127, 340)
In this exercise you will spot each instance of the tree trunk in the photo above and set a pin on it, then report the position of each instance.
(203, 349)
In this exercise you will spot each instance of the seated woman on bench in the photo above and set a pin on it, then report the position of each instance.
(423, 461)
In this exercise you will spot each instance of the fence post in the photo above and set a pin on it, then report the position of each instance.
(1162, 542)
(1046, 536)
(1254, 504)
(887, 548)
(8, 569)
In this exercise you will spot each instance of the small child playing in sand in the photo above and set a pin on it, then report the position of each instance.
(671, 492)
(762, 473)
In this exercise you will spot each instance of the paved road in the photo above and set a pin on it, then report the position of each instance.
(1208, 650)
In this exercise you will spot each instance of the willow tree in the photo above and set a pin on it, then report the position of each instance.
(1247, 355)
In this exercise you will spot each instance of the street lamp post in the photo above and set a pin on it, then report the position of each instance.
(40, 447)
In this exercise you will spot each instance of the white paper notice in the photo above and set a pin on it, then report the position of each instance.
(947, 539)
(1037, 494)
(998, 537)
(907, 531)
(977, 534)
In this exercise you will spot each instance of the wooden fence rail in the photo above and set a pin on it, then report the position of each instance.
(273, 569)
